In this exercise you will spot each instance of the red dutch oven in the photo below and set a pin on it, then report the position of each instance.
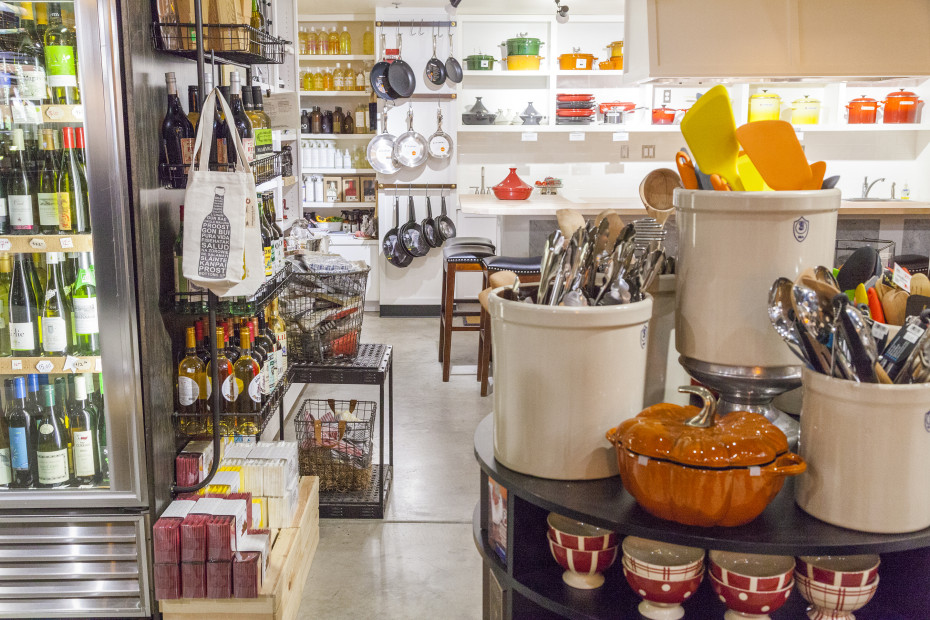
(664, 116)
(512, 188)
(862, 110)
(901, 107)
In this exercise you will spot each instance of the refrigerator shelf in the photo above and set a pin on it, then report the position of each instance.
(174, 176)
(46, 113)
(196, 303)
(238, 44)
(49, 365)
(188, 426)
(46, 243)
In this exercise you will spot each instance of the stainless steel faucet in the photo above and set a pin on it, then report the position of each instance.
(867, 187)
(892, 190)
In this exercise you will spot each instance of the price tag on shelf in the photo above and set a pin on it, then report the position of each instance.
(82, 365)
(69, 363)
(66, 243)
(5, 244)
(576, 136)
(529, 136)
(621, 136)
(16, 364)
(45, 366)
(37, 244)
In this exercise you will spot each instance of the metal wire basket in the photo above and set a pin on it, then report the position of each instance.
(236, 42)
(323, 313)
(845, 248)
(334, 439)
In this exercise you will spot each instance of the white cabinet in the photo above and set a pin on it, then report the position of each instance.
(776, 38)
(362, 250)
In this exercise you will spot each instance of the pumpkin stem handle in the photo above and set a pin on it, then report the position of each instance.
(704, 419)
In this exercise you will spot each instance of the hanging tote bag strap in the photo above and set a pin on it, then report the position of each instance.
(205, 134)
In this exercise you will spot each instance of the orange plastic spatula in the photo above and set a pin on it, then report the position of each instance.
(710, 131)
(818, 169)
(776, 153)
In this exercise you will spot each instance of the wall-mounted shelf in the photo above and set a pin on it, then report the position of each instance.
(46, 243)
(335, 93)
(337, 136)
(600, 128)
(334, 57)
(335, 171)
(341, 205)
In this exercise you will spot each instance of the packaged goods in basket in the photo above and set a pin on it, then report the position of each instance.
(335, 442)
(323, 306)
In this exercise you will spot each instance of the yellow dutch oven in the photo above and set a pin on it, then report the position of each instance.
(805, 111)
(764, 106)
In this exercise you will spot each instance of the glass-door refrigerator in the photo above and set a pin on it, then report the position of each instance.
(75, 502)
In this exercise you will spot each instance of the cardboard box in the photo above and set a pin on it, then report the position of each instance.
(351, 189)
(232, 12)
(186, 16)
(332, 189)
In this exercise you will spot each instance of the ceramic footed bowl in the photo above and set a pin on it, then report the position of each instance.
(833, 602)
(747, 604)
(664, 561)
(574, 534)
(583, 569)
(662, 598)
(752, 572)
(851, 571)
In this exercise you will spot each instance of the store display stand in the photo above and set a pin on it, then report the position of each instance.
(529, 583)
(372, 366)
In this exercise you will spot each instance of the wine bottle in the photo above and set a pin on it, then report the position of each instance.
(4, 209)
(270, 344)
(84, 307)
(277, 232)
(29, 63)
(248, 379)
(22, 432)
(192, 379)
(84, 435)
(218, 146)
(227, 158)
(257, 21)
(23, 312)
(249, 108)
(6, 278)
(278, 327)
(240, 120)
(203, 352)
(227, 383)
(193, 105)
(33, 398)
(62, 410)
(262, 356)
(79, 137)
(214, 238)
(102, 443)
(60, 58)
(259, 106)
(73, 211)
(232, 350)
(48, 185)
(267, 239)
(56, 315)
(6, 473)
(51, 444)
(21, 198)
(177, 133)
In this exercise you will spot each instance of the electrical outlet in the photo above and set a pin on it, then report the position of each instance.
(667, 95)
(624, 151)
(649, 151)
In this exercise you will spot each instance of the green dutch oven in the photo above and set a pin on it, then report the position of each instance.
(523, 46)
(479, 62)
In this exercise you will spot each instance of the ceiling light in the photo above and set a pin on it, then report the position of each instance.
(561, 13)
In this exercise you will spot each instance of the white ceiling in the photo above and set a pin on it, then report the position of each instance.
(493, 7)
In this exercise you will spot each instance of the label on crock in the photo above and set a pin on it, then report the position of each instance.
(484, 64)
(801, 229)
(927, 421)
(643, 336)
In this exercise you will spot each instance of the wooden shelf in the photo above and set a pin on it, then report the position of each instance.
(48, 365)
(335, 93)
(46, 243)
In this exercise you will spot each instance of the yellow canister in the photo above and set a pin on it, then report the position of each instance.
(805, 111)
(764, 106)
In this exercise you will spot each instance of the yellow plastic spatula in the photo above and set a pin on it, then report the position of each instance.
(710, 131)
(776, 153)
(752, 180)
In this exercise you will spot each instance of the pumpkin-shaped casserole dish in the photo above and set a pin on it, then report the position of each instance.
(682, 464)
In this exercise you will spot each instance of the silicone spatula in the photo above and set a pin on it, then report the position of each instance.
(752, 180)
(710, 131)
(818, 169)
(776, 153)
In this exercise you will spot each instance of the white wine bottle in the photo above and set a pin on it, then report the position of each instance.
(51, 445)
(56, 315)
(83, 417)
(23, 312)
(84, 302)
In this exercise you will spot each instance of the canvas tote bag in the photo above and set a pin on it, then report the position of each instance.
(222, 238)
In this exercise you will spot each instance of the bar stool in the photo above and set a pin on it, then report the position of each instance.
(456, 258)
(527, 269)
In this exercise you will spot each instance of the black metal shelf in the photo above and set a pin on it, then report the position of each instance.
(260, 420)
(236, 44)
(196, 303)
(174, 176)
(366, 504)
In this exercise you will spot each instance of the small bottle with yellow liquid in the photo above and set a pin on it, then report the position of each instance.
(368, 42)
(334, 42)
(345, 41)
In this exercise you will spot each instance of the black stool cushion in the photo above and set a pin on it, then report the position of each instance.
(466, 253)
(516, 264)
(470, 241)
(915, 263)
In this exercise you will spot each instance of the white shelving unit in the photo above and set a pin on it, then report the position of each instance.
(337, 136)
(345, 94)
(336, 57)
(335, 171)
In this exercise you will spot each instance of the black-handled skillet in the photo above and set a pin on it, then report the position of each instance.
(411, 235)
(435, 70)
(379, 78)
(444, 223)
(394, 250)
(400, 75)
(430, 232)
(453, 68)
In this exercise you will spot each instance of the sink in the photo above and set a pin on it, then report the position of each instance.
(875, 200)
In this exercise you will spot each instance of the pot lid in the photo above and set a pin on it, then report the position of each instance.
(764, 94)
(530, 110)
(478, 108)
(522, 38)
(863, 99)
(577, 52)
(479, 57)
(512, 181)
(902, 93)
(806, 99)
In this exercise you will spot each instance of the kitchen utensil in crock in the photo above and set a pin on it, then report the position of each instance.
(435, 69)
(719, 183)
(775, 151)
(686, 170)
(805, 111)
(901, 107)
(439, 145)
(781, 314)
(410, 148)
(393, 248)
(764, 106)
(522, 45)
(444, 223)
(400, 74)
(710, 131)
(453, 68)
(752, 180)
(858, 268)
(512, 188)
(411, 234)
(656, 190)
(862, 111)
(830, 182)
(576, 61)
(569, 221)
(863, 351)
(523, 63)
(818, 169)
(380, 151)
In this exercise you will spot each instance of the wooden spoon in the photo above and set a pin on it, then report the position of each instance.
(569, 220)
(603, 215)
(616, 226)
(656, 193)
(894, 305)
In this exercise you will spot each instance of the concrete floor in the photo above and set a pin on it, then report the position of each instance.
(420, 561)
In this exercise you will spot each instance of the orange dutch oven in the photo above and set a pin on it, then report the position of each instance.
(901, 107)
(682, 464)
(862, 110)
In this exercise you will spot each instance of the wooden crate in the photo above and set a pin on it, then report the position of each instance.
(288, 567)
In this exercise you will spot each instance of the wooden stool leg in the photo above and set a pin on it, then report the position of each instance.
(482, 327)
(449, 301)
(485, 361)
(442, 311)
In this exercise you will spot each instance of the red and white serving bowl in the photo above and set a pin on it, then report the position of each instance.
(662, 598)
(840, 570)
(752, 571)
(749, 604)
(829, 602)
(583, 569)
(662, 561)
(574, 534)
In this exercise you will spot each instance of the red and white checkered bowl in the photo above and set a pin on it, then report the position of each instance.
(662, 561)
(574, 534)
(751, 571)
(582, 568)
(851, 571)
(662, 591)
(751, 603)
(833, 602)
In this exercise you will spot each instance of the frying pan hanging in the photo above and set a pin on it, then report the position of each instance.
(411, 235)
(430, 234)
(435, 70)
(440, 143)
(380, 151)
(410, 148)
(393, 249)
(400, 75)
(444, 223)
(453, 68)
(378, 77)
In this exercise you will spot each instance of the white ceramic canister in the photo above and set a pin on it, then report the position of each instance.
(563, 376)
(731, 247)
(867, 448)
(661, 326)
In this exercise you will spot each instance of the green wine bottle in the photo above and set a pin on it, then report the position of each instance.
(51, 444)
(84, 304)
(84, 446)
(48, 185)
(22, 438)
(23, 312)
(73, 212)
(6, 473)
(6, 278)
(56, 315)
(61, 58)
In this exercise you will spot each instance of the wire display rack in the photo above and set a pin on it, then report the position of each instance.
(197, 302)
(174, 176)
(334, 442)
(190, 426)
(230, 43)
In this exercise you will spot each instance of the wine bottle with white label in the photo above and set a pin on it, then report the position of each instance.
(228, 382)
(192, 379)
(51, 444)
(48, 185)
(248, 385)
(20, 191)
(84, 306)
(23, 313)
(22, 429)
(6, 278)
(84, 446)
(56, 315)
(4, 211)
(60, 58)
